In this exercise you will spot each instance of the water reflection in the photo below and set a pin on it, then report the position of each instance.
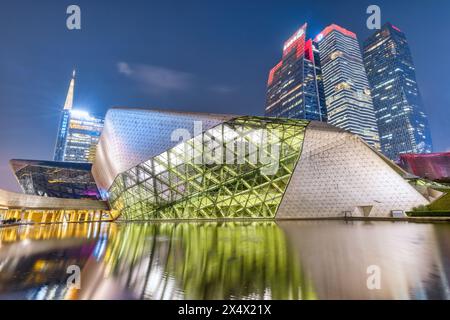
(413, 258)
(207, 261)
(233, 260)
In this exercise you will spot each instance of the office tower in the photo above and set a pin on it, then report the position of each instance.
(399, 111)
(83, 134)
(64, 122)
(348, 101)
(78, 132)
(294, 86)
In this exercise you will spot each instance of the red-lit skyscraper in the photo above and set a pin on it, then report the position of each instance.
(294, 88)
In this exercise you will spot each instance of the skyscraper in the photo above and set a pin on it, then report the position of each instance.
(402, 122)
(348, 101)
(82, 137)
(64, 122)
(78, 132)
(294, 87)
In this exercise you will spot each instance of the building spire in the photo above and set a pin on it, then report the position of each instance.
(69, 99)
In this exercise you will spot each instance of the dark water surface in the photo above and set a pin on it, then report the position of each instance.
(232, 260)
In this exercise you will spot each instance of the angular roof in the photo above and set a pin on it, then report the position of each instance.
(55, 179)
(18, 164)
(133, 135)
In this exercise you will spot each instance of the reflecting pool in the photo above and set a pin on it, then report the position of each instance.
(227, 260)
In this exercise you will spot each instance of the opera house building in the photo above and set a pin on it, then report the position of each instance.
(153, 164)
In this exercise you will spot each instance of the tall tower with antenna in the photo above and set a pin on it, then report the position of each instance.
(64, 122)
(78, 132)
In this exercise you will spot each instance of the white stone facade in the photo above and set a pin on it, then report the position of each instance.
(338, 174)
(132, 136)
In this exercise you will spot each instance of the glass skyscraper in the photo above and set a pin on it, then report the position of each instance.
(78, 132)
(294, 88)
(348, 101)
(82, 137)
(64, 122)
(402, 122)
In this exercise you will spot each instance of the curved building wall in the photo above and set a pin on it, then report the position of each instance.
(237, 169)
(132, 136)
(328, 172)
(338, 174)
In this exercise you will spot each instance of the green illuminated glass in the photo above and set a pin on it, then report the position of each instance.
(208, 260)
(238, 169)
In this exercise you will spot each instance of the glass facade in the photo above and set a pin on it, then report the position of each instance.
(82, 137)
(62, 136)
(348, 101)
(78, 132)
(294, 87)
(242, 167)
(78, 136)
(56, 179)
(216, 174)
(402, 122)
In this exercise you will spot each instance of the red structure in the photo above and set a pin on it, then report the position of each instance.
(432, 166)
(295, 86)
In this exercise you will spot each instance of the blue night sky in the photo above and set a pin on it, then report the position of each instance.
(211, 56)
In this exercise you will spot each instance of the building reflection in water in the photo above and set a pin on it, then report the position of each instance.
(227, 260)
(34, 259)
(207, 261)
(412, 258)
